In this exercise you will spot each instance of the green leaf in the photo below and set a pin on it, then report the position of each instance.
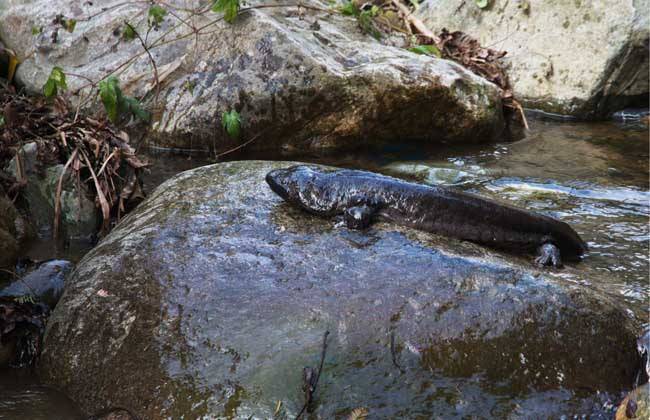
(134, 107)
(427, 50)
(482, 3)
(25, 299)
(415, 3)
(69, 24)
(36, 30)
(59, 78)
(349, 9)
(2, 121)
(367, 24)
(55, 82)
(49, 88)
(110, 93)
(189, 85)
(231, 122)
(129, 32)
(229, 8)
(156, 15)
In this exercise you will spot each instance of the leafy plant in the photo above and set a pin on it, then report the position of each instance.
(349, 9)
(156, 15)
(133, 106)
(69, 24)
(482, 4)
(189, 86)
(37, 30)
(229, 8)
(366, 23)
(231, 122)
(25, 299)
(109, 92)
(364, 17)
(427, 50)
(129, 32)
(55, 82)
(117, 104)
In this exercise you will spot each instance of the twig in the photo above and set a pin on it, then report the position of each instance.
(241, 146)
(312, 381)
(393, 351)
(153, 62)
(59, 186)
(521, 112)
(106, 210)
(417, 23)
(106, 162)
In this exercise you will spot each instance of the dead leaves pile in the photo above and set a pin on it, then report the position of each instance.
(486, 62)
(93, 151)
(465, 50)
(456, 46)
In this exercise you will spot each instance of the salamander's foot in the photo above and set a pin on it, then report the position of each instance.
(358, 217)
(549, 254)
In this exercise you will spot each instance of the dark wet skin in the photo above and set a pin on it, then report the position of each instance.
(363, 197)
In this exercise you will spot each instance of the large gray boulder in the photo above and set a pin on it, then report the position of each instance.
(300, 78)
(210, 298)
(583, 58)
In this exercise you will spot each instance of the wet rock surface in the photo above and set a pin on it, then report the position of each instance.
(585, 58)
(307, 79)
(213, 295)
(10, 237)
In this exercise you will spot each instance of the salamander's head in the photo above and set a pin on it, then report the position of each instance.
(303, 186)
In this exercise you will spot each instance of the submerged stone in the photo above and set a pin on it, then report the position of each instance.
(213, 295)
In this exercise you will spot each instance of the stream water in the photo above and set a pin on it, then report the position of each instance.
(594, 176)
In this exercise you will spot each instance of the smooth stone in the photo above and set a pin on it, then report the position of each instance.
(307, 80)
(581, 58)
(212, 296)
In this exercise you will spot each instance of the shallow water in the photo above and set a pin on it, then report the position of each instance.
(23, 398)
(593, 176)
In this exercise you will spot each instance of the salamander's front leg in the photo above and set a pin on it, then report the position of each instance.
(358, 217)
(549, 254)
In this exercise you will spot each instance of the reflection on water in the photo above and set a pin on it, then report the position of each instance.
(22, 398)
(593, 176)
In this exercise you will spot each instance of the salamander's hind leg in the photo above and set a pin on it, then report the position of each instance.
(549, 254)
(358, 217)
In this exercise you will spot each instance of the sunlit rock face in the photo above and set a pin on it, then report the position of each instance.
(301, 79)
(583, 58)
(211, 297)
